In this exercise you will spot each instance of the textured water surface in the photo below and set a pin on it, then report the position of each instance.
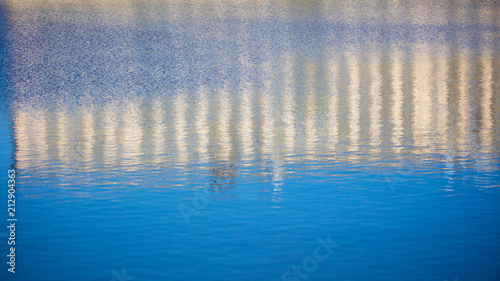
(252, 140)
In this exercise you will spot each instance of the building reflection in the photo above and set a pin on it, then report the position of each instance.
(250, 96)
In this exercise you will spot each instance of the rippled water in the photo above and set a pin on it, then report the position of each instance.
(209, 140)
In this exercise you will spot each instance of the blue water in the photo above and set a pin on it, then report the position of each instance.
(266, 140)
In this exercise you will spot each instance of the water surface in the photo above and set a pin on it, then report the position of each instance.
(220, 140)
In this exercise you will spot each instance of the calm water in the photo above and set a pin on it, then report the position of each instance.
(252, 140)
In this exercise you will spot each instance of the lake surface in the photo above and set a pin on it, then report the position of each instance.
(251, 140)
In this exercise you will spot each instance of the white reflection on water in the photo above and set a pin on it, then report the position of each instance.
(354, 99)
(258, 85)
(223, 126)
(376, 102)
(487, 120)
(397, 102)
(464, 105)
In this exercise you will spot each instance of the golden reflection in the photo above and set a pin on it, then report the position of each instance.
(224, 123)
(266, 102)
(354, 97)
(422, 101)
(246, 128)
(486, 102)
(62, 136)
(158, 132)
(202, 126)
(130, 141)
(180, 124)
(332, 103)
(397, 101)
(24, 152)
(89, 134)
(289, 106)
(311, 117)
(464, 115)
(376, 101)
(39, 139)
(441, 112)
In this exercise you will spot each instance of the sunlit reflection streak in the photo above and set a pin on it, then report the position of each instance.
(61, 141)
(422, 102)
(158, 131)
(202, 126)
(441, 115)
(289, 105)
(267, 134)
(131, 135)
(487, 15)
(267, 105)
(21, 135)
(354, 98)
(463, 138)
(441, 112)
(224, 126)
(486, 103)
(311, 122)
(333, 104)
(246, 128)
(87, 135)
(272, 141)
(38, 134)
(376, 102)
(397, 101)
(110, 131)
(180, 124)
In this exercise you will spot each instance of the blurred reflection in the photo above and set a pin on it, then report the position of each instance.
(230, 89)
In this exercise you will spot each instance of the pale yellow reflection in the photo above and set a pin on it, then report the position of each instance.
(422, 101)
(441, 112)
(246, 125)
(464, 115)
(354, 99)
(87, 134)
(25, 152)
(289, 106)
(397, 101)
(268, 123)
(202, 125)
(376, 101)
(332, 103)
(158, 131)
(180, 124)
(311, 118)
(224, 122)
(62, 136)
(486, 101)
(130, 140)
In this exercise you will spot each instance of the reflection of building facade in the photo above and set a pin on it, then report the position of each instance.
(228, 126)
(350, 101)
